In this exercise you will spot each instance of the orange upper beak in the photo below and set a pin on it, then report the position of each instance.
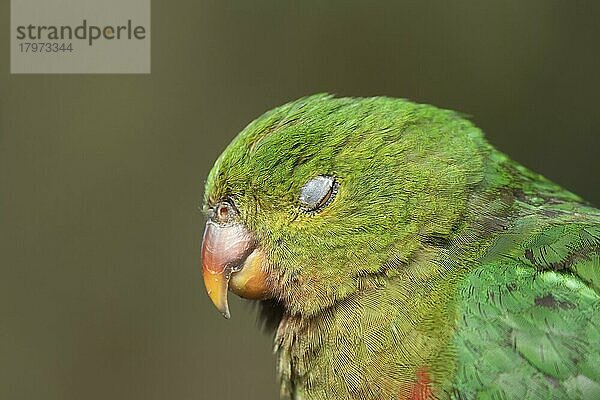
(231, 259)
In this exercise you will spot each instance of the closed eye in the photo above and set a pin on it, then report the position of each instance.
(317, 193)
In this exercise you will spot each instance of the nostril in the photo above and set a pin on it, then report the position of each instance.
(223, 212)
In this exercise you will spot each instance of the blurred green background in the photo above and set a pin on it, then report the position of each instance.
(101, 176)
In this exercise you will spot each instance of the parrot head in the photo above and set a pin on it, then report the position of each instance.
(322, 196)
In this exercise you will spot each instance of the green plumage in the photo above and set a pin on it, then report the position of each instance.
(440, 261)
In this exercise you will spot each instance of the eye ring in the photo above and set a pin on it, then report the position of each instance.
(318, 193)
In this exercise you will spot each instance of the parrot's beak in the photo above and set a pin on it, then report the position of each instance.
(231, 259)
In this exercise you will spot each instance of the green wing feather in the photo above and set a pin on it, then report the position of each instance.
(529, 314)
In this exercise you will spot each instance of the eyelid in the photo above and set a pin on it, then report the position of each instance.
(318, 193)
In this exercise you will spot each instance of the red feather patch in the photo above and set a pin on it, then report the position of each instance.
(421, 390)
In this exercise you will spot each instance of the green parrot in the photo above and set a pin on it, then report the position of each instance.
(398, 255)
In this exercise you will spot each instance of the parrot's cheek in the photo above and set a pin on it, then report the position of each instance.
(232, 260)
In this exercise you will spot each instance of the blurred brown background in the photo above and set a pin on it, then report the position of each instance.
(101, 175)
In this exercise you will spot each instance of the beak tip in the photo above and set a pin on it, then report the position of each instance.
(216, 288)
